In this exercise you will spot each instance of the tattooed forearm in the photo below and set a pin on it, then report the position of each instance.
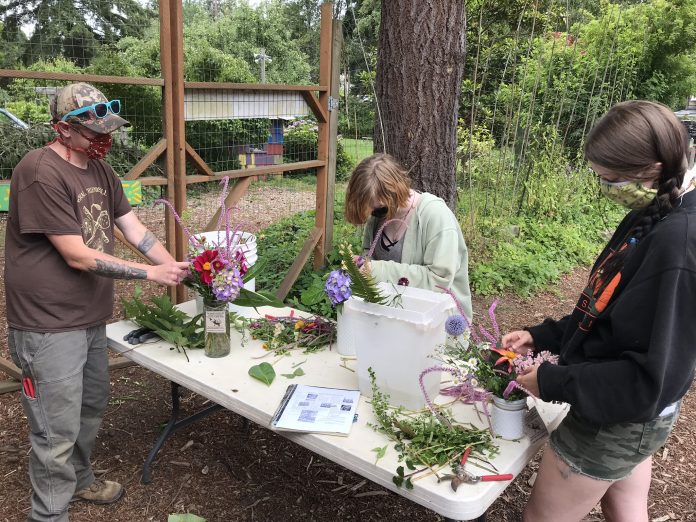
(117, 271)
(147, 242)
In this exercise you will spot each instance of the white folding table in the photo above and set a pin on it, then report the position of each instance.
(226, 383)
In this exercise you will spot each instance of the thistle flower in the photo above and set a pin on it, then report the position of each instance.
(337, 287)
(456, 325)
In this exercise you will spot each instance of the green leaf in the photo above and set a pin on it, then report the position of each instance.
(409, 464)
(299, 372)
(400, 471)
(314, 294)
(256, 299)
(255, 270)
(264, 372)
(380, 452)
(399, 481)
(408, 483)
(186, 517)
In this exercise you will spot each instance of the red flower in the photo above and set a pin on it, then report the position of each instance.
(204, 264)
(507, 357)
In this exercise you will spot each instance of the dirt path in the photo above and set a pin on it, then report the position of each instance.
(217, 470)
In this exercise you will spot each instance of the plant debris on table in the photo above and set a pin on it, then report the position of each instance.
(423, 440)
(282, 334)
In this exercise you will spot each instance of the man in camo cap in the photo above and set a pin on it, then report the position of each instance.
(59, 273)
(66, 104)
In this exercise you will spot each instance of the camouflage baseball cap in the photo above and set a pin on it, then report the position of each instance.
(78, 95)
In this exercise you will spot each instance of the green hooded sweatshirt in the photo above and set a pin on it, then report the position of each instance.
(434, 252)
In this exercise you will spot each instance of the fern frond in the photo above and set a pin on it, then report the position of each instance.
(362, 284)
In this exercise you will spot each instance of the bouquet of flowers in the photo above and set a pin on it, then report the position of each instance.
(488, 365)
(218, 271)
(354, 277)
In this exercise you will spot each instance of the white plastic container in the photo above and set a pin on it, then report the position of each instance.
(398, 342)
(246, 244)
(507, 418)
(345, 340)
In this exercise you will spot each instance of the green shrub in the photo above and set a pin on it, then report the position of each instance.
(538, 256)
(280, 243)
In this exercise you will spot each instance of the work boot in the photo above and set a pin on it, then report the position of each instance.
(100, 492)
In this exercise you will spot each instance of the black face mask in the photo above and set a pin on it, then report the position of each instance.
(380, 212)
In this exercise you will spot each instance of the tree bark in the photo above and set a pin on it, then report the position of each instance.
(420, 62)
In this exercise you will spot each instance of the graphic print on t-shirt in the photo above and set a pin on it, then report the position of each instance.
(95, 221)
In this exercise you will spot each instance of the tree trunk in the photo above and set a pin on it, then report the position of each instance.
(420, 61)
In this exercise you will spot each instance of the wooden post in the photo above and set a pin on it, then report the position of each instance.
(178, 144)
(167, 125)
(334, 90)
(325, 40)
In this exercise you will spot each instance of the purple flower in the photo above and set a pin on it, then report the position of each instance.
(227, 284)
(337, 287)
(403, 281)
(456, 325)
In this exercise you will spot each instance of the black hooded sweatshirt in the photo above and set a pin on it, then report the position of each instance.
(627, 354)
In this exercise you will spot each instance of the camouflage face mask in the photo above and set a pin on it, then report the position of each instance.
(630, 194)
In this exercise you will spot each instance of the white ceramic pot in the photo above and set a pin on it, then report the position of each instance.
(507, 418)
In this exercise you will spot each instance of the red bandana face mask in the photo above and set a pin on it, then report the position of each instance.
(99, 146)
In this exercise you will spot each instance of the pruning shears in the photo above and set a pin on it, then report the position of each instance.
(462, 476)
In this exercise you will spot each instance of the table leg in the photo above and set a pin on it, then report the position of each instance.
(173, 425)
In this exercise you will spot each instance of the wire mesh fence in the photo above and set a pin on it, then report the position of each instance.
(228, 128)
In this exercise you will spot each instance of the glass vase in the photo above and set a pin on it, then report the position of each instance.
(217, 329)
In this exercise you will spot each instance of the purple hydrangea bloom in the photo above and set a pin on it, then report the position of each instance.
(337, 287)
(227, 284)
(456, 325)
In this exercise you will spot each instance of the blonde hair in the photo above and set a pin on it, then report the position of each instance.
(379, 177)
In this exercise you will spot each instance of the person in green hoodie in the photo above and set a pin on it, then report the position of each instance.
(421, 243)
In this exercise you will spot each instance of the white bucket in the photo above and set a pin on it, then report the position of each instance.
(218, 239)
(243, 241)
(398, 342)
(507, 418)
(345, 341)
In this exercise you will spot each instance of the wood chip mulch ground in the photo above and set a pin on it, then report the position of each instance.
(218, 470)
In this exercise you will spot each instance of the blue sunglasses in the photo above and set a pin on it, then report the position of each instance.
(100, 110)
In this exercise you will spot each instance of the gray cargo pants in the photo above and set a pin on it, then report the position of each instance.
(70, 375)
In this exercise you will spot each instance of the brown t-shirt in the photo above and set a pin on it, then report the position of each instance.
(48, 195)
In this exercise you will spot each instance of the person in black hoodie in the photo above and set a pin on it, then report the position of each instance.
(626, 352)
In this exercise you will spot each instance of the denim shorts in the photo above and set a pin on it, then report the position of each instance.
(610, 451)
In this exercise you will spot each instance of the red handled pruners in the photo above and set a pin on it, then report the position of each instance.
(464, 477)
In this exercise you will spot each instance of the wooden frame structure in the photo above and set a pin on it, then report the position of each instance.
(177, 151)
